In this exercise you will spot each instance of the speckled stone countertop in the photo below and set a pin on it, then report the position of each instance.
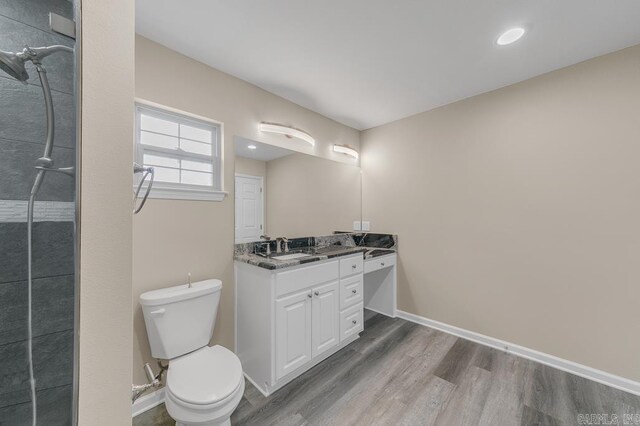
(317, 249)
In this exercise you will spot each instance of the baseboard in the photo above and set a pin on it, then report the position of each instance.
(541, 357)
(147, 402)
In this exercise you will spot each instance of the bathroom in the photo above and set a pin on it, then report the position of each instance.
(460, 189)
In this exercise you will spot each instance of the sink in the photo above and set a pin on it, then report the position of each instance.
(290, 256)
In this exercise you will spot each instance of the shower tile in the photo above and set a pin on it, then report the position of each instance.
(52, 364)
(23, 114)
(52, 307)
(35, 12)
(54, 409)
(17, 163)
(53, 250)
(60, 66)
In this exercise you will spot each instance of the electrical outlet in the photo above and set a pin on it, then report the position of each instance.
(366, 225)
(356, 225)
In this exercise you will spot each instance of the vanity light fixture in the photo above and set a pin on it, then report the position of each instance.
(510, 36)
(252, 146)
(343, 149)
(290, 132)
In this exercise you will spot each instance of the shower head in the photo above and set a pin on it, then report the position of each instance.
(14, 63)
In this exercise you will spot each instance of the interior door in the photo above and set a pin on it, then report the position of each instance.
(325, 324)
(293, 332)
(249, 208)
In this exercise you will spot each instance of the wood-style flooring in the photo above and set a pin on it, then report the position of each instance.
(401, 373)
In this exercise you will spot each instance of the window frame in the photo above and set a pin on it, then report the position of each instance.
(182, 191)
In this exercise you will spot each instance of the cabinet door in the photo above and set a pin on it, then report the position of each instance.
(326, 326)
(293, 332)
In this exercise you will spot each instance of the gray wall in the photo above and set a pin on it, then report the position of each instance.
(22, 131)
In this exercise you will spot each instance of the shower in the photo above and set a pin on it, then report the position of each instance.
(14, 64)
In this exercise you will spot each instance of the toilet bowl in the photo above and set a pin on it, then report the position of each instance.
(204, 387)
(204, 383)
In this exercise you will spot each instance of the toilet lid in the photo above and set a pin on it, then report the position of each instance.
(205, 376)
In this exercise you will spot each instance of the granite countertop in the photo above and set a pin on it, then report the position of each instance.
(315, 255)
(317, 249)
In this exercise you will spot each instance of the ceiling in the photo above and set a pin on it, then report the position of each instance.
(263, 152)
(368, 62)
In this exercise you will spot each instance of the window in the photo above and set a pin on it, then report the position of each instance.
(183, 150)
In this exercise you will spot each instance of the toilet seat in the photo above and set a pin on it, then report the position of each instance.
(204, 387)
(207, 376)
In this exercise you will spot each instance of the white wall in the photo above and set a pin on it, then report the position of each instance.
(518, 211)
(105, 212)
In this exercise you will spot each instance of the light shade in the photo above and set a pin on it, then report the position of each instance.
(290, 132)
(252, 146)
(346, 150)
(510, 36)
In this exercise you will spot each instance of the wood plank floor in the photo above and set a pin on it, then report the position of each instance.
(400, 373)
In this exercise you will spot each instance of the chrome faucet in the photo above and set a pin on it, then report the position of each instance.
(279, 242)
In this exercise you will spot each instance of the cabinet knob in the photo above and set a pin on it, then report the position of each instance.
(354, 291)
(354, 321)
(309, 296)
(354, 266)
(381, 263)
(316, 293)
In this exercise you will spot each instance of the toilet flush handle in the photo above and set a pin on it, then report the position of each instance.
(157, 312)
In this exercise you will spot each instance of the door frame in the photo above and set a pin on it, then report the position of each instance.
(261, 178)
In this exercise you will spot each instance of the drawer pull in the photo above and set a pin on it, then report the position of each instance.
(354, 321)
(309, 296)
(354, 291)
(381, 263)
(316, 293)
(354, 266)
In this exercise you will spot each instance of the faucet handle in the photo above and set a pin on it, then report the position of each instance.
(265, 237)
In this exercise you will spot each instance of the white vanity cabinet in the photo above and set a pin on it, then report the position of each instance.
(288, 320)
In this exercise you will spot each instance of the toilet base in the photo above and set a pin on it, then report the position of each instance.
(225, 423)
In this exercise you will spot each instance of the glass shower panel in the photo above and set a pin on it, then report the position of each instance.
(23, 135)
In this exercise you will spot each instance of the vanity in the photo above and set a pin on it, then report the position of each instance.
(300, 300)
(293, 313)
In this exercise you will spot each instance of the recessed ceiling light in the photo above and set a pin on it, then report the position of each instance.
(510, 36)
(252, 146)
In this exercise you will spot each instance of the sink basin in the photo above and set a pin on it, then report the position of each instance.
(290, 256)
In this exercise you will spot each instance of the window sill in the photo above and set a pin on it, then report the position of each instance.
(184, 194)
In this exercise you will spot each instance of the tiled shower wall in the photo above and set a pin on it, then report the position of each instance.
(22, 132)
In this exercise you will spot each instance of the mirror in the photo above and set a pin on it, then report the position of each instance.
(284, 193)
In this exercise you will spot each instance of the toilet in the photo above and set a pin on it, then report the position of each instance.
(204, 383)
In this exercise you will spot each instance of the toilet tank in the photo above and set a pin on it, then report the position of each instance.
(180, 319)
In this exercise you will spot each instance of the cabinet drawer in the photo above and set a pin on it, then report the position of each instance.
(351, 266)
(350, 291)
(300, 279)
(351, 321)
(378, 263)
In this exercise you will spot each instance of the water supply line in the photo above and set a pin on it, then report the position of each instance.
(153, 381)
